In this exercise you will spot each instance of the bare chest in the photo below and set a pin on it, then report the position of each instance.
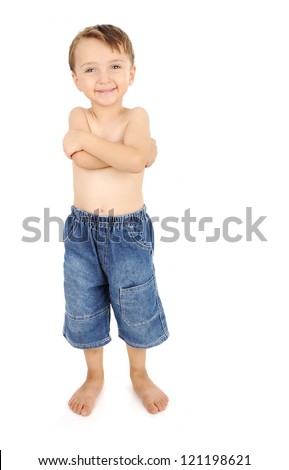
(113, 130)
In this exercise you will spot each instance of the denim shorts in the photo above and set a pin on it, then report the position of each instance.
(108, 261)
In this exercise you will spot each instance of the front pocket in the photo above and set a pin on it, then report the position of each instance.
(139, 240)
(68, 228)
(140, 304)
(141, 234)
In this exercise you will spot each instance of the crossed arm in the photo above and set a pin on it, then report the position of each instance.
(92, 152)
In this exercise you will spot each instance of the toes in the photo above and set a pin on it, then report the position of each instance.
(152, 408)
(160, 405)
(156, 406)
(72, 405)
(165, 401)
(71, 401)
(79, 408)
(75, 406)
(86, 410)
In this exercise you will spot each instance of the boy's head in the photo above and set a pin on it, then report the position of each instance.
(110, 35)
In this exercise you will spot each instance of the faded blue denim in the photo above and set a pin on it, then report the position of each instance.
(108, 261)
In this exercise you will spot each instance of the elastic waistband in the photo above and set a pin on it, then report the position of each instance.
(109, 219)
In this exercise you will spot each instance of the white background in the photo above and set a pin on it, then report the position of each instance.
(214, 77)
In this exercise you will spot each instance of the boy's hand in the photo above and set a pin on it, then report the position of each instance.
(153, 150)
(71, 142)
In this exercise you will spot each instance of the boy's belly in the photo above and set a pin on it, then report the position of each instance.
(107, 191)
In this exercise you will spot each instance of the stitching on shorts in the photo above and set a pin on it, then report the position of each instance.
(162, 317)
(158, 341)
(97, 344)
(116, 301)
(71, 230)
(87, 317)
(140, 244)
(139, 288)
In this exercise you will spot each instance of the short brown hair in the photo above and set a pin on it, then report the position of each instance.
(107, 33)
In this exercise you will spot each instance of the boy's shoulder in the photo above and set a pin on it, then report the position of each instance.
(138, 111)
(138, 115)
(78, 116)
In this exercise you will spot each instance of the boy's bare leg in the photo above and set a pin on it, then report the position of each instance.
(83, 400)
(153, 398)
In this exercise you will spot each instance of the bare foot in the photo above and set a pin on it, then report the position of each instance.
(153, 398)
(83, 400)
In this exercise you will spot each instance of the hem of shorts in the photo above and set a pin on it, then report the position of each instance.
(157, 342)
(94, 345)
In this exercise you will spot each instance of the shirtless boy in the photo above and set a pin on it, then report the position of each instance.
(108, 236)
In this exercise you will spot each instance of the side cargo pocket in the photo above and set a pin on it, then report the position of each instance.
(140, 304)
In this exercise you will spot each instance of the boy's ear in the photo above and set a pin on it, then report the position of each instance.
(132, 75)
(75, 79)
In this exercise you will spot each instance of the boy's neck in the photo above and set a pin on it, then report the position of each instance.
(107, 113)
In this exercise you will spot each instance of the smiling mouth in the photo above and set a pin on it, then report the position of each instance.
(106, 92)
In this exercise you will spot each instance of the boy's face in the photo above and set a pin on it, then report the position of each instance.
(101, 74)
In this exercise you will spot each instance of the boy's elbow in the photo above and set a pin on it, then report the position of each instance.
(138, 164)
(137, 169)
(79, 160)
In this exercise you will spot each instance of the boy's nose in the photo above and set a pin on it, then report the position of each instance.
(103, 77)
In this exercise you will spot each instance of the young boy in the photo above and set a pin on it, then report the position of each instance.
(108, 236)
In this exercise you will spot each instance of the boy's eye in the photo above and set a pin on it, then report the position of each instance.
(115, 67)
(89, 70)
